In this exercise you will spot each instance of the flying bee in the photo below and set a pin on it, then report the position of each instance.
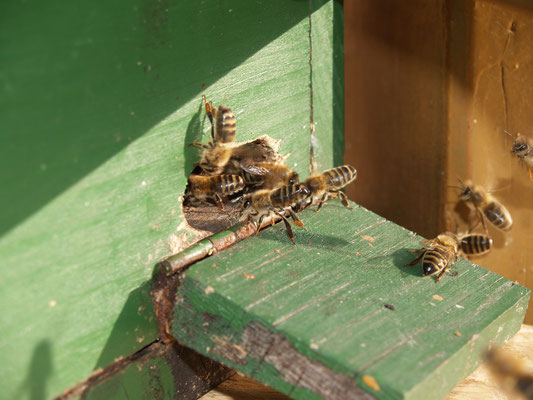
(268, 176)
(265, 202)
(511, 373)
(438, 254)
(330, 182)
(486, 205)
(523, 150)
(475, 244)
(212, 188)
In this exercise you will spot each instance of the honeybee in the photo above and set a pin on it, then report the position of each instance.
(217, 152)
(224, 126)
(438, 254)
(212, 188)
(265, 202)
(330, 182)
(475, 244)
(510, 372)
(268, 176)
(523, 150)
(486, 206)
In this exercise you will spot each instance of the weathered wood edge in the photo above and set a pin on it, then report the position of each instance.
(243, 343)
(248, 345)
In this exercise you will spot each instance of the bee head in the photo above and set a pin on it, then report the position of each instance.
(466, 191)
(293, 178)
(519, 146)
(303, 190)
(246, 202)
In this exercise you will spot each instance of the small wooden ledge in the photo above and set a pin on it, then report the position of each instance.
(339, 316)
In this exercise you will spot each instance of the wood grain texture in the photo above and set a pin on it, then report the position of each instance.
(322, 302)
(396, 109)
(327, 81)
(98, 105)
(479, 385)
(491, 92)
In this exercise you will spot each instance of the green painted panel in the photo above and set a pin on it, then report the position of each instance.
(98, 104)
(327, 45)
(323, 303)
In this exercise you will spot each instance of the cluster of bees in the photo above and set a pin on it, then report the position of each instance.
(256, 175)
(439, 254)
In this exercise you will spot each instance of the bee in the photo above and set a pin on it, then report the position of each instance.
(224, 125)
(217, 152)
(268, 176)
(510, 372)
(486, 205)
(523, 150)
(475, 244)
(212, 188)
(265, 202)
(330, 182)
(438, 254)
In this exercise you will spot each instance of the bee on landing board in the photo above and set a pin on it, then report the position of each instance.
(486, 205)
(330, 183)
(263, 203)
(268, 176)
(212, 188)
(523, 150)
(438, 254)
(510, 373)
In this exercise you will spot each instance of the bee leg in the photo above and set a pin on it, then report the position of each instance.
(344, 200)
(322, 200)
(482, 218)
(416, 260)
(530, 173)
(296, 219)
(259, 223)
(287, 227)
(197, 144)
(218, 200)
(442, 273)
(210, 110)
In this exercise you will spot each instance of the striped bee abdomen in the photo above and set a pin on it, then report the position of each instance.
(498, 215)
(476, 244)
(289, 195)
(228, 184)
(435, 260)
(226, 125)
(340, 176)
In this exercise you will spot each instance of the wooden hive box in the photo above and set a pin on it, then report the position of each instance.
(99, 105)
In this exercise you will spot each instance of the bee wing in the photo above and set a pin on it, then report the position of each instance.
(254, 169)
(428, 244)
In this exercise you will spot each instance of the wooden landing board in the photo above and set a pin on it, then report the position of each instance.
(311, 320)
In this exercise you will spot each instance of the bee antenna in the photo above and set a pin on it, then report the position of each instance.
(455, 187)
(509, 134)
(460, 181)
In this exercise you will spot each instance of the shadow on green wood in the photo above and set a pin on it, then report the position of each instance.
(81, 82)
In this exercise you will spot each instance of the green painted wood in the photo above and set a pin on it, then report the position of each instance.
(310, 320)
(327, 46)
(99, 102)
